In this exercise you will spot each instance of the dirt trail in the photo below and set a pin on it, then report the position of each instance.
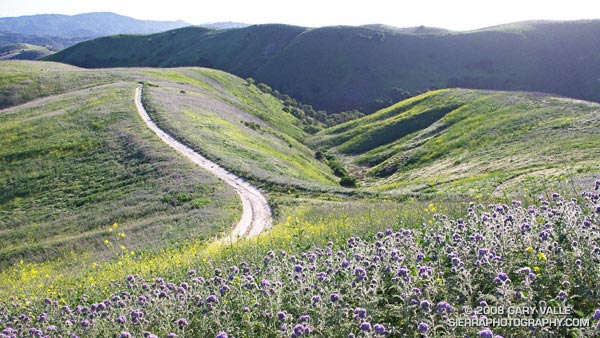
(256, 215)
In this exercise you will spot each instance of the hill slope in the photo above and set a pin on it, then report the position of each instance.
(23, 51)
(52, 42)
(76, 157)
(370, 67)
(83, 25)
(472, 142)
(74, 164)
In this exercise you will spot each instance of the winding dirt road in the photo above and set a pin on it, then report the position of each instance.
(256, 215)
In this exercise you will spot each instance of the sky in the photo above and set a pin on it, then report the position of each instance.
(449, 14)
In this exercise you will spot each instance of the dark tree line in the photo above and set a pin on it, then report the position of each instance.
(313, 120)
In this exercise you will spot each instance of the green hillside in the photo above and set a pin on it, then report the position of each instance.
(73, 165)
(23, 81)
(23, 51)
(471, 142)
(105, 230)
(367, 68)
(77, 158)
(52, 42)
(236, 125)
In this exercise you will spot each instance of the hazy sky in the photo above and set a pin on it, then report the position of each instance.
(451, 14)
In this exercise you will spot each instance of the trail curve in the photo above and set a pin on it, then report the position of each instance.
(256, 214)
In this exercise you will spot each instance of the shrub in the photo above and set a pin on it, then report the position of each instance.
(348, 182)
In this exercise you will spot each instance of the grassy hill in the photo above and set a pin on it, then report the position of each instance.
(76, 157)
(83, 179)
(25, 81)
(23, 51)
(370, 67)
(74, 164)
(51, 42)
(471, 142)
(236, 125)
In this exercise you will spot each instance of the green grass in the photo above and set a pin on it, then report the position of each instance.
(471, 142)
(77, 158)
(24, 81)
(77, 163)
(304, 223)
(237, 126)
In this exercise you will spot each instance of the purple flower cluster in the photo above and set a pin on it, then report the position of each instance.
(497, 255)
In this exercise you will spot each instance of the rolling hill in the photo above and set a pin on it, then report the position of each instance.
(23, 51)
(104, 227)
(472, 142)
(370, 67)
(76, 158)
(54, 43)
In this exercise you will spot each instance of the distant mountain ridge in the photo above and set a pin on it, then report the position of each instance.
(83, 25)
(344, 68)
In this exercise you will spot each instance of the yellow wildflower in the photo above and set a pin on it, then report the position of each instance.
(542, 257)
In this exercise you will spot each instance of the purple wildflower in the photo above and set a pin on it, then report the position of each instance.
(360, 312)
(360, 273)
(422, 327)
(181, 322)
(221, 334)
(121, 319)
(224, 289)
(379, 328)
(443, 307)
(136, 316)
(562, 295)
(486, 333)
(365, 326)
(501, 278)
(298, 330)
(404, 273)
(425, 271)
